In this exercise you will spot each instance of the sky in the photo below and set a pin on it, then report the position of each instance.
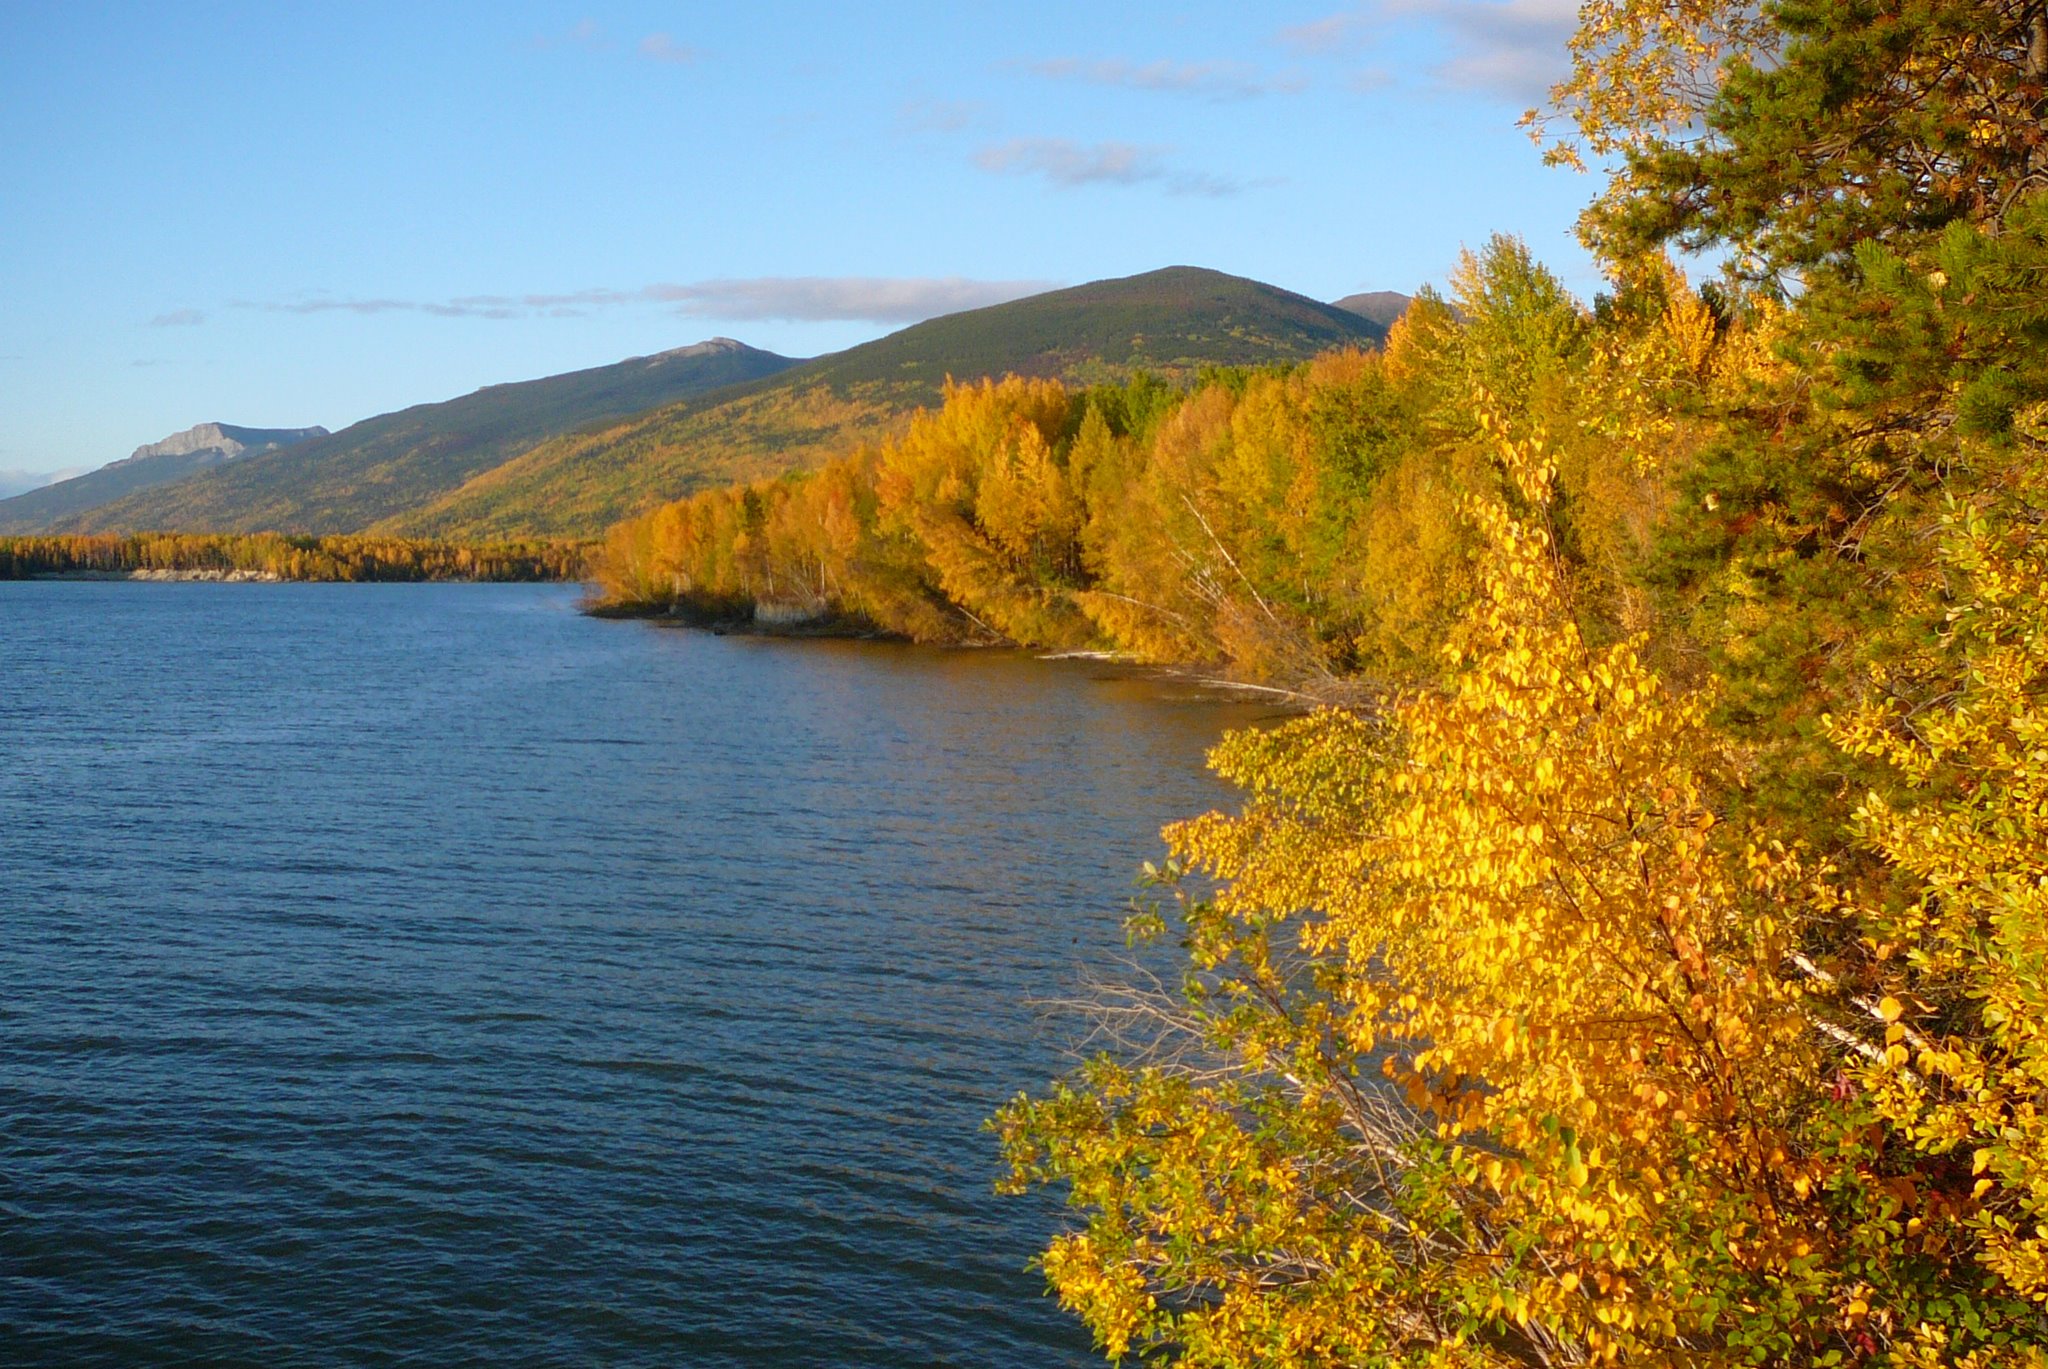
(279, 215)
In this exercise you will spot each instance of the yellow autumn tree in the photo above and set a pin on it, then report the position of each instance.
(979, 484)
(1959, 972)
(1498, 1049)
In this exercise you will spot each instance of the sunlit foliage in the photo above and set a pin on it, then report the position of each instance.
(1499, 1048)
(1296, 524)
(1650, 963)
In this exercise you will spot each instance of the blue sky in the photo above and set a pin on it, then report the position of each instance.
(286, 214)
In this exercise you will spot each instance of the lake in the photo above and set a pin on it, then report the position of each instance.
(428, 974)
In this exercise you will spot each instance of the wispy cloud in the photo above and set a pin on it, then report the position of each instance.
(1514, 49)
(1329, 34)
(938, 116)
(584, 33)
(868, 299)
(475, 307)
(806, 299)
(660, 47)
(1069, 165)
(179, 318)
(1217, 81)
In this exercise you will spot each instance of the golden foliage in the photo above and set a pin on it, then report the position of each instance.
(1501, 1049)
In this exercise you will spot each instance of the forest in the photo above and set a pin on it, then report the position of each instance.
(1643, 955)
(281, 557)
(1296, 525)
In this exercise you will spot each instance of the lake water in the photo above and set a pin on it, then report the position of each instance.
(431, 975)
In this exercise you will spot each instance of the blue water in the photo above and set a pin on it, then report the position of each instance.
(431, 975)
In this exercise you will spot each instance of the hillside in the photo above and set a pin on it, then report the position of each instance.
(347, 481)
(150, 465)
(1173, 322)
(1382, 307)
(20, 482)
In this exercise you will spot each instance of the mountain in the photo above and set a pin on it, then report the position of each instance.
(1172, 322)
(221, 442)
(20, 482)
(1380, 306)
(347, 481)
(570, 455)
(150, 465)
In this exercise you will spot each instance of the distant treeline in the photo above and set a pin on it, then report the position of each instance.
(287, 558)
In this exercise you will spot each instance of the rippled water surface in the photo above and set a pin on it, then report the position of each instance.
(430, 975)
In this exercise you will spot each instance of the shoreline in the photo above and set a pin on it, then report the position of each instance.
(261, 577)
(828, 627)
(237, 577)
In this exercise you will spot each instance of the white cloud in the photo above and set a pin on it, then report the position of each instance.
(178, 318)
(1513, 49)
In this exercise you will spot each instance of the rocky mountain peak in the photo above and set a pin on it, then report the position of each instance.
(226, 439)
(709, 347)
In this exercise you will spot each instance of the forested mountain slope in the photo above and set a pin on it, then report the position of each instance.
(1172, 322)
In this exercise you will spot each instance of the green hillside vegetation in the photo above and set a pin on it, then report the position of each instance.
(1173, 323)
(382, 466)
(75, 502)
(576, 486)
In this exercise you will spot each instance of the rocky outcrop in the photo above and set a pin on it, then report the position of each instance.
(223, 439)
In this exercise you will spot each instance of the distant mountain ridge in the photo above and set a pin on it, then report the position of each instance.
(570, 455)
(346, 481)
(149, 466)
(1383, 307)
(1172, 322)
(20, 482)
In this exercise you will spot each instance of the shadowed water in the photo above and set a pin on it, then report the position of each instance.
(430, 975)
